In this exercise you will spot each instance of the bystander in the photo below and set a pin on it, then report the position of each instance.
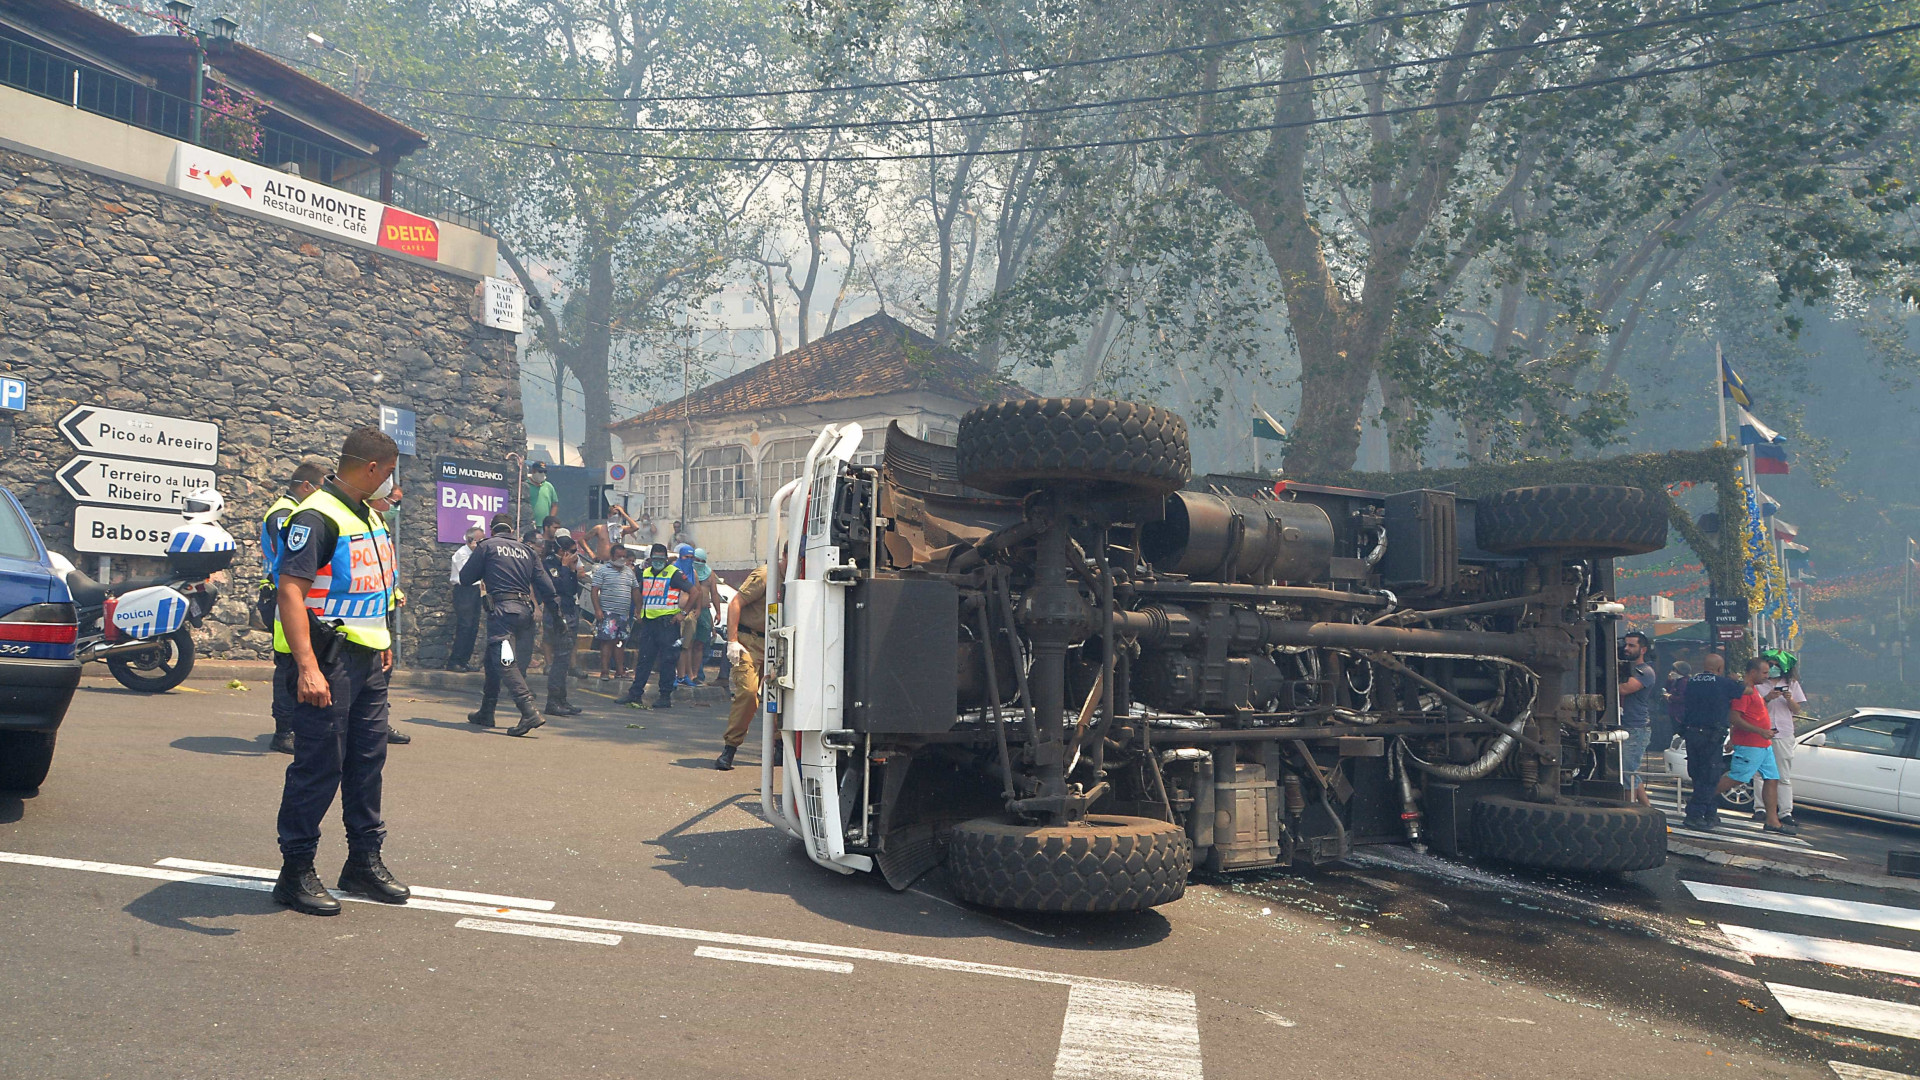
(610, 590)
(466, 604)
(1637, 691)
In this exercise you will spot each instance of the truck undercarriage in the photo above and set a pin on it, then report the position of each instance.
(1050, 657)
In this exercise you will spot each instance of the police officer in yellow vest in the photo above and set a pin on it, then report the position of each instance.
(304, 482)
(664, 595)
(333, 651)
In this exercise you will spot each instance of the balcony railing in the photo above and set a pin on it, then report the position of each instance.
(36, 71)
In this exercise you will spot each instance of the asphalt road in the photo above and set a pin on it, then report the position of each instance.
(683, 936)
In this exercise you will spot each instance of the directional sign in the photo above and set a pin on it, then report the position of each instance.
(142, 435)
(13, 393)
(398, 423)
(124, 482)
(113, 530)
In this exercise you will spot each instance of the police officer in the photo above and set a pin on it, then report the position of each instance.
(305, 481)
(333, 651)
(665, 594)
(514, 580)
(562, 565)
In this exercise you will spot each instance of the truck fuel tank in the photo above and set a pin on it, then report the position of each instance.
(1238, 540)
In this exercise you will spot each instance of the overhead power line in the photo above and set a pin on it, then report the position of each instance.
(1185, 136)
(932, 80)
(1083, 106)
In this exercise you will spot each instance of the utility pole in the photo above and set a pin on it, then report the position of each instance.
(1719, 394)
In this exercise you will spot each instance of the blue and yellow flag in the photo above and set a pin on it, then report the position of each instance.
(1732, 387)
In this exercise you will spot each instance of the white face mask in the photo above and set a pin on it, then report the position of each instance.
(385, 488)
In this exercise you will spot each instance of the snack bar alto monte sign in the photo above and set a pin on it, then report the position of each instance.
(277, 194)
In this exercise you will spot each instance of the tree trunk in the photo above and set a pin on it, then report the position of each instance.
(590, 362)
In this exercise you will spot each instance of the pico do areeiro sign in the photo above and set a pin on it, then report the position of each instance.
(131, 476)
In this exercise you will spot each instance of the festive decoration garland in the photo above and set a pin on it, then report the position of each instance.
(1765, 580)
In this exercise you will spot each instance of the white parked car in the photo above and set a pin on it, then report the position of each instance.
(1867, 761)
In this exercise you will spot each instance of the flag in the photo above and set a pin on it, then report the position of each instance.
(1753, 432)
(1732, 387)
(1770, 460)
(1265, 426)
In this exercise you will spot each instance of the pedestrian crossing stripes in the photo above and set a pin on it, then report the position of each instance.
(1846, 1071)
(1823, 907)
(1823, 950)
(1815, 1006)
(1848, 1011)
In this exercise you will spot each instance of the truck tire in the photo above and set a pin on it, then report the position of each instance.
(1594, 838)
(1013, 447)
(25, 757)
(1105, 863)
(157, 671)
(1586, 518)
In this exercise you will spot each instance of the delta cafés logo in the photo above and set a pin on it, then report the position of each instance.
(220, 181)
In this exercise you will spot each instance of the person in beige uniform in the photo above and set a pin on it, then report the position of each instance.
(747, 652)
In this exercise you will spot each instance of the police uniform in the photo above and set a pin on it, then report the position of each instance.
(559, 625)
(659, 617)
(273, 529)
(514, 579)
(342, 547)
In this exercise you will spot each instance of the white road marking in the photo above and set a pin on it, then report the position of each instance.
(1174, 1039)
(1824, 907)
(1140, 1033)
(1846, 1010)
(1862, 1072)
(1724, 838)
(555, 932)
(230, 870)
(840, 967)
(1823, 950)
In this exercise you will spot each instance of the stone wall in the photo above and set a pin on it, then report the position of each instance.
(117, 293)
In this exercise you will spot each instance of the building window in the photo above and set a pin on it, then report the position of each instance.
(939, 436)
(746, 306)
(722, 479)
(714, 307)
(652, 478)
(873, 448)
(781, 461)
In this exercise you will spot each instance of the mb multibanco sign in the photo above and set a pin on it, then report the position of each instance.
(131, 476)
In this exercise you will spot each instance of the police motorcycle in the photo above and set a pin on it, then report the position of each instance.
(140, 628)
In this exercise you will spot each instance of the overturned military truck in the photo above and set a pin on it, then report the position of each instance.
(1051, 658)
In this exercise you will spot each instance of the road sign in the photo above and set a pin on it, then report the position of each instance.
(142, 435)
(503, 305)
(115, 530)
(1729, 633)
(13, 393)
(1727, 610)
(616, 472)
(125, 482)
(399, 424)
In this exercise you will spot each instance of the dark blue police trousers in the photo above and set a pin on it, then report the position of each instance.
(655, 651)
(342, 746)
(1706, 763)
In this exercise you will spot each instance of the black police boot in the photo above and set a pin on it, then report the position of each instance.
(527, 723)
(398, 737)
(366, 875)
(299, 888)
(725, 761)
(481, 718)
(282, 742)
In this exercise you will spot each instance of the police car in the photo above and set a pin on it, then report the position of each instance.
(38, 669)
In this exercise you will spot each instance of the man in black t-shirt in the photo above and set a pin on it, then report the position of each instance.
(1703, 723)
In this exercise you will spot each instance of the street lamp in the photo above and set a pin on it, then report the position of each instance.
(319, 42)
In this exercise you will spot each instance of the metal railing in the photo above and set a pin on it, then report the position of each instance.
(44, 74)
(423, 196)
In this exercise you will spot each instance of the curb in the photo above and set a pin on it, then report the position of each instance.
(1717, 857)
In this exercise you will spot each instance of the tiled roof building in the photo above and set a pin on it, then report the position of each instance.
(702, 468)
